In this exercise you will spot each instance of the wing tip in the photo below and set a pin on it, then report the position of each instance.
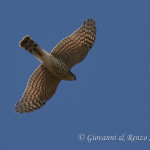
(18, 108)
(21, 108)
(90, 21)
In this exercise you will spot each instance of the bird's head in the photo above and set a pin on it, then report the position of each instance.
(71, 76)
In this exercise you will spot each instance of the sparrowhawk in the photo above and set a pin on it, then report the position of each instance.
(55, 66)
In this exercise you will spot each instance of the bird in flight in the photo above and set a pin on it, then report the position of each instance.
(55, 66)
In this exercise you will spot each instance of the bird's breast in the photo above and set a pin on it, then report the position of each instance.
(57, 67)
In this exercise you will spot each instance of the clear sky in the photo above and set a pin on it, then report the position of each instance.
(111, 95)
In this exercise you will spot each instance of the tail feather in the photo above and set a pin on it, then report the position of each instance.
(28, 44)
(32, 47)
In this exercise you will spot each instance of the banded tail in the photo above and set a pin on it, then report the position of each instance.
(32, 47)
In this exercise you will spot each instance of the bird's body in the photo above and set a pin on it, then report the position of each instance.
(58, 68)
(55, 66)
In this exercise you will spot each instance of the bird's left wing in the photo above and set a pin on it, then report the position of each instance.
(74, 48)
(40, 88)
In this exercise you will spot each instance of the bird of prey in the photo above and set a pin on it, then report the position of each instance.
(55, 66)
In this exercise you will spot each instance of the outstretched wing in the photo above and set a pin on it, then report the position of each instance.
(74, 48)
(40, 88)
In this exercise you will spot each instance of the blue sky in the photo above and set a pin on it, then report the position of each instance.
(111, 95)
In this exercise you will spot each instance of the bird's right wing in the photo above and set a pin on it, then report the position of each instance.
(40, 88)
